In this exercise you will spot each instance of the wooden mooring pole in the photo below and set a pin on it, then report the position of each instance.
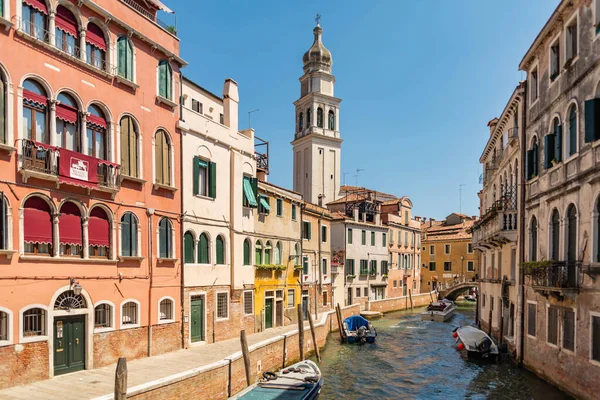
(338, 312)
(300, 332)
(284, 351)
(246, 355)
(410, 296)
(121, 379)
(314, 337)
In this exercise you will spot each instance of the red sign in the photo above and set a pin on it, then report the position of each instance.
(78, 168)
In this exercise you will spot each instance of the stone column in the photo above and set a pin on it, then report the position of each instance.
(56, 235)
(86, 241)
(83, 136)
(52, 28)
(82, 46)
(52, 126)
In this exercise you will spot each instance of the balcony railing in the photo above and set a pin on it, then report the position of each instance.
(513, 134)
(557, 275)
(151, 16)
(335, 270)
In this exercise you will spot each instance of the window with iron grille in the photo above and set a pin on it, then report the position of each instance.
(248, 303)
(595, 333)
(446, 249)
(3, 326)
(129, 313)
(552, 325)
(531, 318)
(432, 266)
(364, 267)
(365, 292)
(447, 266)
(103, 316)
(568, 323)
(34, 322)
(222, 311)
(324, 299)
(291, 299)
(432, 249)
(470, 266)
(166, 310)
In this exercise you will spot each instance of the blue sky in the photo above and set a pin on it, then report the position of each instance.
(419, 80)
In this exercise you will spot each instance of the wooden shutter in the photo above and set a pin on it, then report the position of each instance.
(162, 79)
(126, 235)
(529, 164)
(122, 57)
(308, 227)
(2, 109)
(220, 251)
(162, 238)
(133, 149)
(196, 174)
(125, 146)
(128, 60)
(203, 249)
(549, 147)
(536, 159)
(166, 165)
(558, 143)
(246, 252)
(212, 180)
(158, 157)
(188, 247)
(254, 184)
(169, 77)
(134, 235)
(592, 120)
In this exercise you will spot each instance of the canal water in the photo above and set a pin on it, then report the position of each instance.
(414, 359)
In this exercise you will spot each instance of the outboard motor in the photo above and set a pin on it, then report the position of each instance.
(362, 334)
(484, 346)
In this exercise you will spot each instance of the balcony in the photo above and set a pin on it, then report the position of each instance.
(513, 135)
(554, 276)
(335, 270)
(498, 225)
(44, 162)
(150, 15)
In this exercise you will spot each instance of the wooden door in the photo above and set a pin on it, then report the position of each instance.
(197, 318)
(69, 344)
(279, 313)
(268, 313)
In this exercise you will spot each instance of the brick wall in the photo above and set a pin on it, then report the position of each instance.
(400, 303)
(22, 364)
(166, 338)
(109, 346)
(213, 381)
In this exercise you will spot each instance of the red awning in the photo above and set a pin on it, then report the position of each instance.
(95, 36)
(98, 228)
(34, 97)
(69, 224)
(38, 5)
(37, 221)
(66, 113)
(94, 120)
(66, 21)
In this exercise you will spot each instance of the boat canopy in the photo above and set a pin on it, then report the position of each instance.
(356, 321)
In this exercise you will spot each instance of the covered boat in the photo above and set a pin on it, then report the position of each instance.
(300, 381)
(439, 311)
(475, 343)
(359, 330)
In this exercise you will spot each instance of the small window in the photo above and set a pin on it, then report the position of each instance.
(531, 319)
(447, 266)
(279, 207)
(446, 249)
(248, 303)
(291, 298)
(250, 192)
(553, 325)
(533, 77)
(405, 217)
(364, 237)
(323, 233)
(264, 204)
(222, 305)
(103, 316)
(124, 58)
(165, 238)
(165, 80)
(293, 212)
(349, 235)
(432, 266)
(470, 266)
(34, 322)
(595, 333)
(365, 292)
(372, 238)
(305, 265)
(384, 240)
(166, 310)
(395, 284)
(555, 60)
(129, 235)
(349, 267)
(432, 249)
(470, 248)
(364, 267)
(129, 314)
(357, 292)
(324, 266)
(221, 119)
(324, 299)
(220, 248)
(247, 247)
(306, 230)
(162, 158)
(197, 106)
(4, 326)
(205, 178)
(568, 322)
(571, 41)
(373, 267)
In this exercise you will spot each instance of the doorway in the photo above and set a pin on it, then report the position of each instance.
(268, 313)
(305, 305)
(197, 319)
(349, 297)
(69, 344)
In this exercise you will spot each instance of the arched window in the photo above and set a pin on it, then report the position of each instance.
(35, 19)
(331, 120)
(278, 254)
(125, 58)
(67, 132)
(129, 235)
(533, 240)
(165, 238)
(571, 233)
(557, 131)
(70, 230)
(3, 107)
(188, 247)
(268, 249)
(258, 258)
(572, 130)
(66, 31)
(34, 322)
(95, 46)
(300, 121)
(320, 117)
(597, 258)
(163, 158)
(129, 147)
(103, 316)
(99, 233)
(130, 314)
(37, 226)
(5, 323)
(247, 246)
(308, 117)
(96, 133)
(203, 249)
(533, 159)
(220, 247)
(5, 226)
(555, 236)
(166, 310)
(35, 105)
(165, 80)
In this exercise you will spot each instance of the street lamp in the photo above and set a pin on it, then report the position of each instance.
(75, 286)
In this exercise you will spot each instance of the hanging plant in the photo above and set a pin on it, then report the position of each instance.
(530, 267)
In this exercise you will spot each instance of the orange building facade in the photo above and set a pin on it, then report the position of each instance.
(89, 170)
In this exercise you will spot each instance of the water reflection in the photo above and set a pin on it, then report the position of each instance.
(418, 360)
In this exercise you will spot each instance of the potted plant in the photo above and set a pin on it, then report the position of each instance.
(554, 162)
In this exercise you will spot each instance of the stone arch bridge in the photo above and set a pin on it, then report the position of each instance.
(452, 290)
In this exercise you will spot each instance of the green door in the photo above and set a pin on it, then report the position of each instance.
(268, 313)
(197, 319)
(69, 344)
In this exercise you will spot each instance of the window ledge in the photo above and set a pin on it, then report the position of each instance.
(5, 343)
(571, 158)
(166, 101)
(127, 82)
(8, 253)
(130, 326)
(130, 258)
(7, 24)
(166, 260)
(203, 197)
(132, 179)
(103, 330)
(165, 187)
(5, 147)
(68, 259)
(166, 321)
(27, 173)
(33, 339)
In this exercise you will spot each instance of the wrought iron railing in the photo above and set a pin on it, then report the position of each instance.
(558, 274)
(150, 15)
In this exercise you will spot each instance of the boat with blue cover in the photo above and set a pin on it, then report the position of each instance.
(300, 381)
(359, 330)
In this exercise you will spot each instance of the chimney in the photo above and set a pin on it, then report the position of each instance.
(431, 221)
(492, 124)
(261, 174)
(230, 104)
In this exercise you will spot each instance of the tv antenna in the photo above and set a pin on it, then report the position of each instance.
(358, 171)
(460, 197)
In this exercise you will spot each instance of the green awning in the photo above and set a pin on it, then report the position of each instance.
(249, 193)
(263, 202)
(202, 163)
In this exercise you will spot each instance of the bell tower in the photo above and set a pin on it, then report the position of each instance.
(317, 143)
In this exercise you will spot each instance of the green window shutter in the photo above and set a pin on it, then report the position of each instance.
(2, 109)
(254, 184)
(309, 230)
(162, 79)
(122, 57)
(203, 249)
(349, 235)
(196, 175)
(536, 159)
(162, 238)
(246, 252)
(125, 146)
(169, 81)
(220, 251)
(134, 235)
(558, 144)
(549, 150)
(188, 248)
(592, 120)
(529, 164)
(293, 211)
(126, 235)
(212, 180)
(128, 60)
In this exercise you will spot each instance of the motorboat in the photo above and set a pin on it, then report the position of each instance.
(300, 381)
(470, 297)
(359, 330)
(475, 343)
(439, 311)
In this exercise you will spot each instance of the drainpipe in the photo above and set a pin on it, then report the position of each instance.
(522, 224)
(232, 210)
(301, 249)
(181, 227)
(150, 212)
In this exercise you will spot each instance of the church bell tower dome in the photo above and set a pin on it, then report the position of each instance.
(317, 58)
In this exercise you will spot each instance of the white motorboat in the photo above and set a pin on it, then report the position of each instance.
(440, 311)
(475, 343)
